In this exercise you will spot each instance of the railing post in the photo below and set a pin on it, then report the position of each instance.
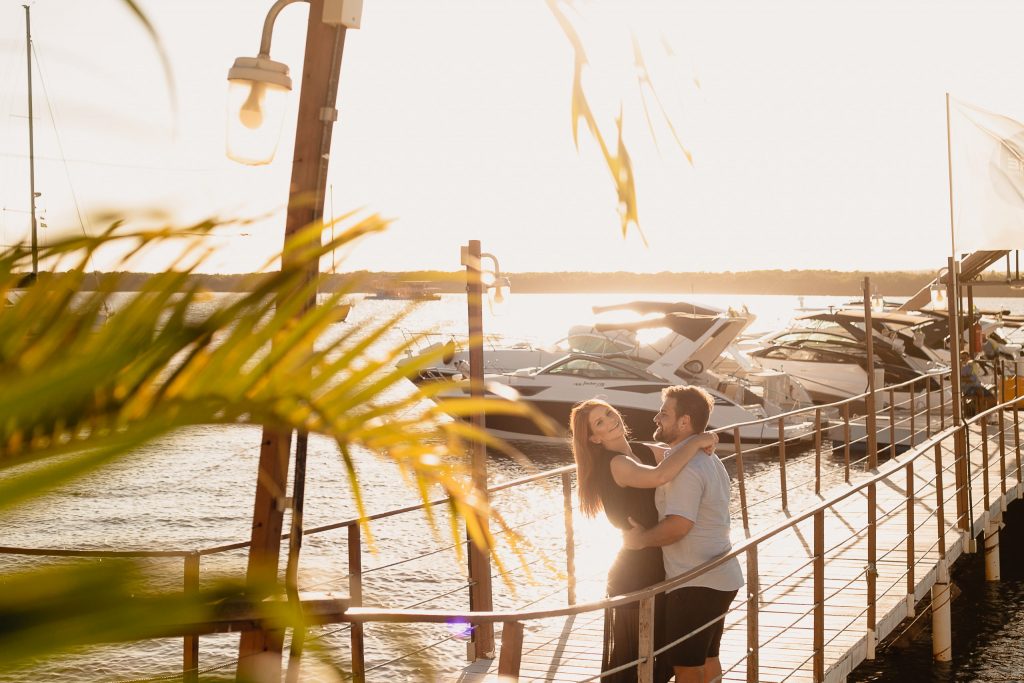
(913, 413)
(645, 670)
(190, 659)
(753, 603)
(511, 649)
(782, 463)
(962, 474)
(355, 592)
(942, 402)
(871, 571)
(846, 439)
(892, 422)
(1016, 438)
(911, 552)
(1002, 457)
(928, 407)
(940, 495)
(570, 538)
(740, 476)
(984, 463)
(817, 451)
(819, 596)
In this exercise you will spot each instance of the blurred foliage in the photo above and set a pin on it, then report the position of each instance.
(86, 385)
(611, 142)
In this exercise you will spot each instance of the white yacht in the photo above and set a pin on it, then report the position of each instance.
(633, 389)
(826, 351)
(690, 350)
(631, 379)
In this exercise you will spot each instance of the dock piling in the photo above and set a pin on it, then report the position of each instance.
(942, 649)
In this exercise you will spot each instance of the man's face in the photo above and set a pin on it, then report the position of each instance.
(668, 423)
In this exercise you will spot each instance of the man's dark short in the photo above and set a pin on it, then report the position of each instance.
(688, 609)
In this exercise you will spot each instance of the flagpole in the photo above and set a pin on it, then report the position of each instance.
(949, 162)
(954, 306)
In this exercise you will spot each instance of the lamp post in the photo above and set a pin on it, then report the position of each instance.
(257, 86)
(482, 642)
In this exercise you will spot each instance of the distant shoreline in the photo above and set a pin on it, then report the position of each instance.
(792, 282)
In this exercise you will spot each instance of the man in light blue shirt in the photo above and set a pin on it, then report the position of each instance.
(694, 528)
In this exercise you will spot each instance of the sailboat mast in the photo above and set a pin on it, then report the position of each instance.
(31, 144)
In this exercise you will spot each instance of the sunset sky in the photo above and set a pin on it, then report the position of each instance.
(817, 129)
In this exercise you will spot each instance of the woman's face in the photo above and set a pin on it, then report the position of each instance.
(605, 425)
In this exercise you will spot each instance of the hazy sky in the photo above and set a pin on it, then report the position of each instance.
(817, 130)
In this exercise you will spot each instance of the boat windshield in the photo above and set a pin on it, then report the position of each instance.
(598, 368)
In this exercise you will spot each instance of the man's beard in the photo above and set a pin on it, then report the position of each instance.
(661, 434)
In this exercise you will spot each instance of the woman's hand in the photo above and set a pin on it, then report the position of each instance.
(706, 441)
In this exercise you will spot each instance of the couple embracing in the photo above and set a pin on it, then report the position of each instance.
(672, 503)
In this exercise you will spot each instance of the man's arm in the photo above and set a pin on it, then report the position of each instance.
(665, 532)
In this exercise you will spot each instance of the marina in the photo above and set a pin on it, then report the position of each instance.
(247, 436)
(766, 491)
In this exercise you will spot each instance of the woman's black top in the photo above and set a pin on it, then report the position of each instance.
(620, 502)
(633, 569)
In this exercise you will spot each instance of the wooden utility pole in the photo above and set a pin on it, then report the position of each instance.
(259, 652)
(482, 643)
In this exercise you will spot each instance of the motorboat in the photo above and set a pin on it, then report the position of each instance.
(603, 339)
(632, 381)
(827, 352)
(689, 350)
(635, 390)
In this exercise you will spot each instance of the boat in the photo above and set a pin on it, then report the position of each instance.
(635, 390)
(614, 366)
(411, 290)
(682, 321)
(827, 352)
(705, 334)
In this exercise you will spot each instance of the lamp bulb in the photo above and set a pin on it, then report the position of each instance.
(251, 113)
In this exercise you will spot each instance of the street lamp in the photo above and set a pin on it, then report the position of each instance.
(256, 84)
(937, 290)
(258, 87)
(497, 285)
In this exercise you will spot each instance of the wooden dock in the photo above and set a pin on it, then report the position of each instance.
(780, 614)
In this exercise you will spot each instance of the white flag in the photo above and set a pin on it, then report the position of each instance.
(988, 179)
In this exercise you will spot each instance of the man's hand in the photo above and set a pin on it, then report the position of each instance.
(632, 539)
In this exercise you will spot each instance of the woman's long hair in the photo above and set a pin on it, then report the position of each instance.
(584, 451)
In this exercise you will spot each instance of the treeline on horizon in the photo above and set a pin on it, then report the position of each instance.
(809, 282)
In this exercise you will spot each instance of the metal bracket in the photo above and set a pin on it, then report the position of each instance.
(347, 13)
(283, 503)
(328, 114)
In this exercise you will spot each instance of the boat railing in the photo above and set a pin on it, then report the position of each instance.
(925, 430)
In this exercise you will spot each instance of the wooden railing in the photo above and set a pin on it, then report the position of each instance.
(921, 555)
(924, 435)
